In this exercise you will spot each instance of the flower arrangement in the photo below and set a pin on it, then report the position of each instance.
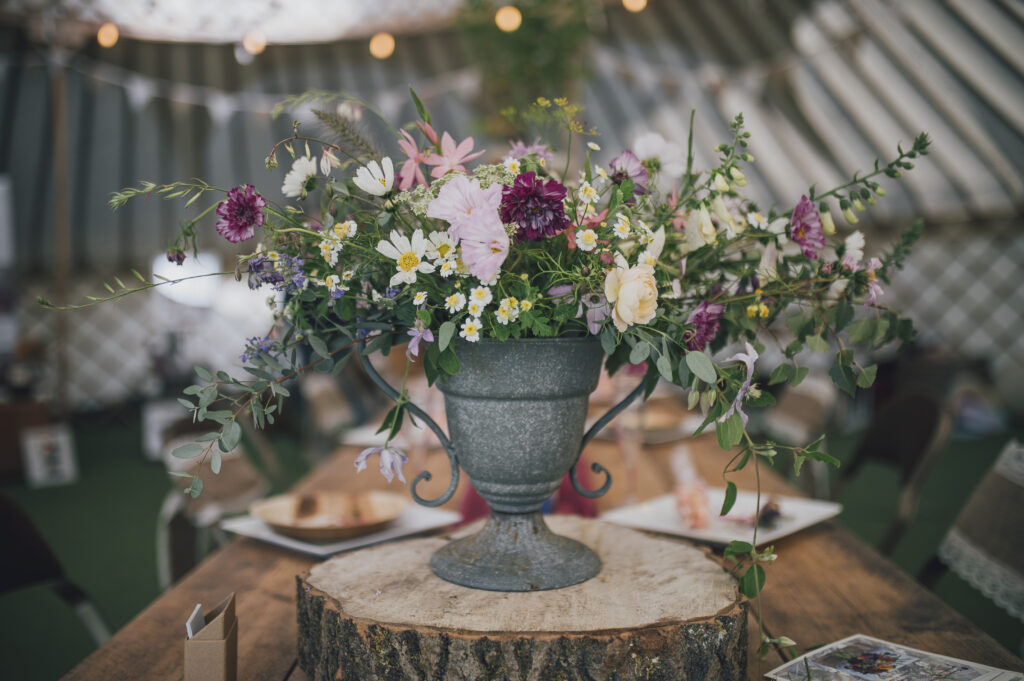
(664, 263)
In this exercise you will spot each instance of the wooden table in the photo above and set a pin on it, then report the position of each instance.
(827, 584)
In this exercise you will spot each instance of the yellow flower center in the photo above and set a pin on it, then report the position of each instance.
(408, 261)
(383, 182)
(443, 249)
(470, 329)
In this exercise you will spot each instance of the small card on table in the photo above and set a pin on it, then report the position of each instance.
(862, 658)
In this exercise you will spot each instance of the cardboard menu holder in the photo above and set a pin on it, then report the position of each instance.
(212, 653)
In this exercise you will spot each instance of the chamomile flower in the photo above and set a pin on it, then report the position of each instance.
(586, 240)
(344, 230)
(408, 256)
(440, 247)
(447, 268)
(329, 250)
(273, 256)
(593, 146)
(471, 329)
(474, 308)
(622, 226)
(587, 193)
(526, 305)
(482, 295)
(347, 275)
(503, 315)
(512, 165)
(646, 235)
(455, 302)
(420, 298)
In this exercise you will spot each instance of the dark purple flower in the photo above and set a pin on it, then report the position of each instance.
(519, 150)
(536, 206)
(706, 319)
(261, 271)
(419, 332)
(627, 166)
(176, 255)
(805, 228)
(240, 214)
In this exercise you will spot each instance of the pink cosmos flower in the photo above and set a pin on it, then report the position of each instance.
(451, 157)
(427, 131)
(485, 245)
(461, 201)
(411, 173)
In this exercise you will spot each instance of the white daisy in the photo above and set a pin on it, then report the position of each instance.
(301, 178)
(482, 295)
(587, 193)
(511, 306)
(593, 146)
(622, 226)
(407, 254)
(512, 165)
(503, 315)
(273, 256)
(454, 302)
(440, 247)
(600, 178)
(526, 305)
(420, 298)
(447, 268)
(329, 250)
(587, 240)
(474, 308)
(471, 329)
(347, 275)
(376, 178)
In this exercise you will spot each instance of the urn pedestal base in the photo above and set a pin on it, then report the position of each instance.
(659, 610)
(515, 552)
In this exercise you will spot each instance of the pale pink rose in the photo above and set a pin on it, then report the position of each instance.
(634, 294)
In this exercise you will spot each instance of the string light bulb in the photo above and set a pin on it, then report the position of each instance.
(107, 35)
(254, 42)
(382, 45)
(508, 18)
(634, 5)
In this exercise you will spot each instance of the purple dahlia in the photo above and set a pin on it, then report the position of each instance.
(706, 319)
(240, 214)
(536, 206)
(805, 228)
(627, 166)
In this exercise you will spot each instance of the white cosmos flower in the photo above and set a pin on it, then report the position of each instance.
(471, 329)
(440, 247)
(454, 302)
(376, 178)
(303, 169)
(667, 157)
(407, 254)
(854, 246)
(587, 240)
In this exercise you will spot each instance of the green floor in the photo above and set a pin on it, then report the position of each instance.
(102, 529)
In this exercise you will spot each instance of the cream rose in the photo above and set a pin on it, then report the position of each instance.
(634, 294)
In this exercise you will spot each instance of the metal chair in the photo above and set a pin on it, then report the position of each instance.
(27, 560)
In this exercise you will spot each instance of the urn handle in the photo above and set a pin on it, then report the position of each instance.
(416, 411)
(589, 435)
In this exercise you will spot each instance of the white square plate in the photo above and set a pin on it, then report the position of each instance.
(413, 520)
(659, 515)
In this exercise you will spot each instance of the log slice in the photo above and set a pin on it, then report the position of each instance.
(660, 609)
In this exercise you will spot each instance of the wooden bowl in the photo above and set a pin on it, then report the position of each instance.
(329, 516)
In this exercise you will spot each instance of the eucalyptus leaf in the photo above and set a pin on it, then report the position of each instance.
(189, 451)
(664, 365)
(231, 435)
(640, 352)
(215, 461)
(702, 366)
(445, 335)
(203, 373)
